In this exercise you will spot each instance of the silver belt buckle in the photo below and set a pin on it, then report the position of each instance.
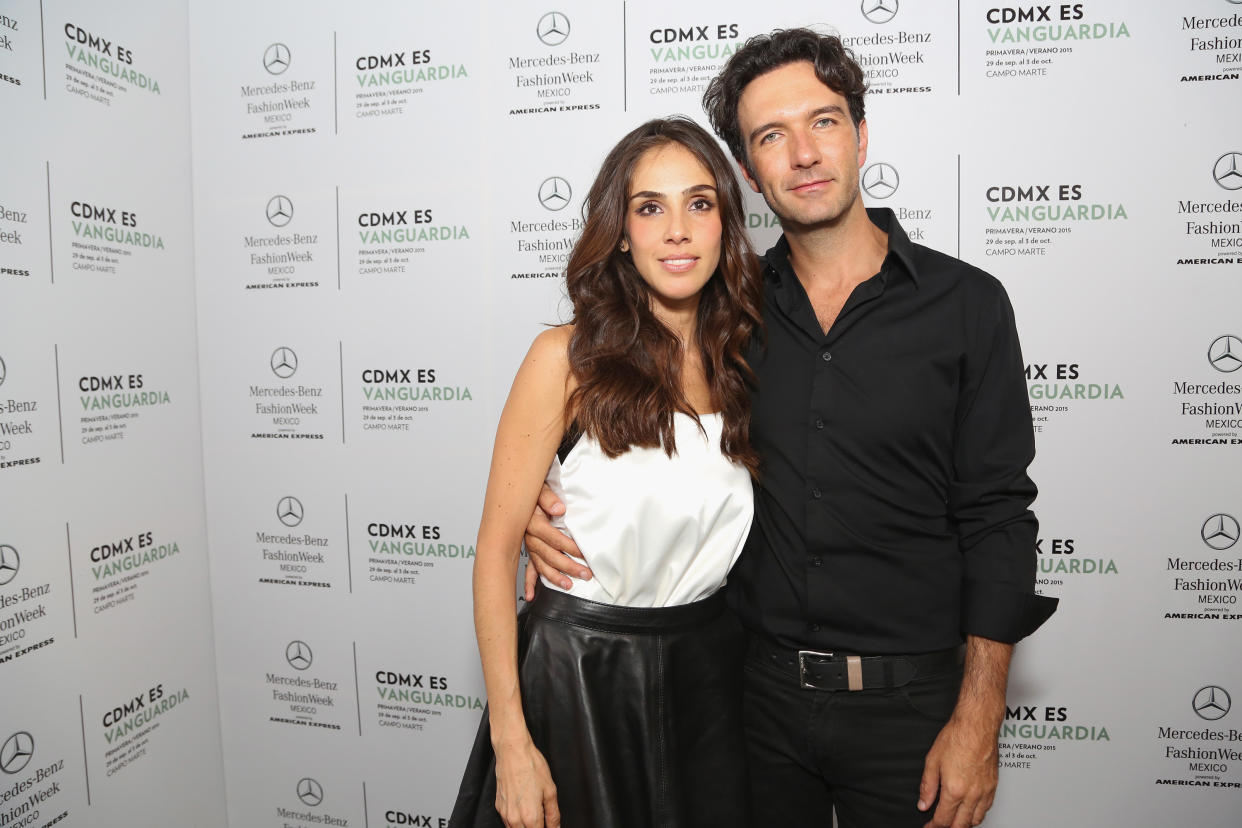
(802, 654)
(853, 670)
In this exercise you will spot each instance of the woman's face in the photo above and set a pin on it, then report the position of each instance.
(672, 225)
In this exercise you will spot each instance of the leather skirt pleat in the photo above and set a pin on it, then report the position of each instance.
(637, 711)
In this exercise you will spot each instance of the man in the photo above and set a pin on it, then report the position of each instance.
(891, 516)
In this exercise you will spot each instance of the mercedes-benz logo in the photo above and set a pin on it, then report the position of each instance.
(1220, 531)
(310, 791)
(289, 510)
(284, 362)
(880, 180)
(17, 752)
(10, 562)
(1225, 353)
(276, 58)
(880, 11)
(299, 655)
(4, 372)
(1212, 702)
(279, 211)
(554, 193)
(552, 29)
(1228, 171)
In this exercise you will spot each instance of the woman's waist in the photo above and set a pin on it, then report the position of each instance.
(555, 605)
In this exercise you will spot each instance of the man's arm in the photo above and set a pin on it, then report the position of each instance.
(550, 548)
(989, 502)
(962, 764)
(991, 493)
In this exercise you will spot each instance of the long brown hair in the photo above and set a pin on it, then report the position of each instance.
(628, 363)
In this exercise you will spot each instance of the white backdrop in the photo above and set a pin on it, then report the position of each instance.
(379, 202)
(108, 706)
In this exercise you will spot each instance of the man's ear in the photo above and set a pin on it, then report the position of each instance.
(750, 179)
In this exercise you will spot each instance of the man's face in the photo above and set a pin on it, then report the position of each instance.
(803, 150)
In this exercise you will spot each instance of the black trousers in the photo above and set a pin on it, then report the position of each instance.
(858, 752)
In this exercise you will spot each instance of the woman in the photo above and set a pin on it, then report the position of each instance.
(615, 704)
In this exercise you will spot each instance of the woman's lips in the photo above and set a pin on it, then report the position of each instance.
(679, 264)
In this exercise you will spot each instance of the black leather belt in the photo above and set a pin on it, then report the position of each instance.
(814, 670)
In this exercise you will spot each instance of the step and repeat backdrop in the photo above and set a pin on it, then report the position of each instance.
(108, 708)
(267, 269)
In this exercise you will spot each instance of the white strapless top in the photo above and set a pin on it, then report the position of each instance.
(657, 531)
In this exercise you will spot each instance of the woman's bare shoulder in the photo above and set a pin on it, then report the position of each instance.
(550, 350)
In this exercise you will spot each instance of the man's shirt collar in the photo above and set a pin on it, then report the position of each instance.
(900, 250)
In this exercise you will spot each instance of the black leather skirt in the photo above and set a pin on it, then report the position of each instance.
(638, 712)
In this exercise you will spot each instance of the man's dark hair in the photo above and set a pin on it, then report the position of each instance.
(834, 66)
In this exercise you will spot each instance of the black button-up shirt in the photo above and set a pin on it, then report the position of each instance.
(892, 511)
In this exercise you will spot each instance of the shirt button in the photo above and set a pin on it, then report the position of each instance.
(817, 561)
(827, 356)
(819, 425)
(815, 493)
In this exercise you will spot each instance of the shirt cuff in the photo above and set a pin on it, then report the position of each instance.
(1002, 613)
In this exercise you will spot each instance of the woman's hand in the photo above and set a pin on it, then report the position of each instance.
(525, 793)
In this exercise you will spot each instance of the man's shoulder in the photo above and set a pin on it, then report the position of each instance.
(771, 258)
(770, 270)
(951, 273)
(929, 267)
